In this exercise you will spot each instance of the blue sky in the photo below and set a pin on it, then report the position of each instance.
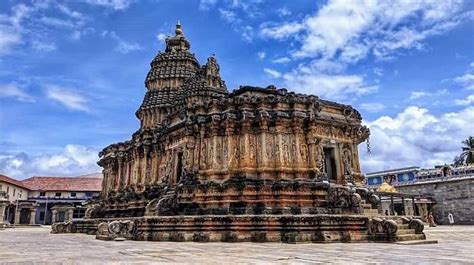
(72, 72)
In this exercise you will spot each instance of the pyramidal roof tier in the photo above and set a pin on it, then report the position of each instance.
(171, 68)
(176, 78)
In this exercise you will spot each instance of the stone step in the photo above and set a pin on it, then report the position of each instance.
(371, 214)
(405, 231)
(417, 242)
(371, 211)
(410, 237)
(403, 226)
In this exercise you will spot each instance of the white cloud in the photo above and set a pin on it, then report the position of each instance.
(67, 98)
(69, 12)
(372, 107)
(272, 73)
(161, 37)
(469, 100)
(418, 94)
(283, 12)
(8, 39)
(73, 160)
(281, 31)
(28, 24)
(416, 137)
(122, 45)
(261, 55)
(56, 22)
(13, 91)
(126, 47)
(378, 71)
(247, 33)
(334, 87)
(282, 60)
(206, 4)
(351, 30)
(466, 81)
(42, 46)
(228, 16)
(113, 4)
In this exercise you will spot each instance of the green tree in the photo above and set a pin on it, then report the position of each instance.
(467, 155)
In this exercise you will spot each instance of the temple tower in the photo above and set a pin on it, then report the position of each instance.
(168, 72)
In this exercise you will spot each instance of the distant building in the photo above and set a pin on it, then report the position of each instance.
(13, 195)
(441, 190)
(45, 200)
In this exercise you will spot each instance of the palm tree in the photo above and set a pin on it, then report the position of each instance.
(467, 155)
(458, 161)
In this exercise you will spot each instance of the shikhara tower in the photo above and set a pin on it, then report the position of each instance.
(256, 164)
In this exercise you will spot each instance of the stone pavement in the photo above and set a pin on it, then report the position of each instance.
(36, 245)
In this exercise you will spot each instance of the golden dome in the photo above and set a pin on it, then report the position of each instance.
(385, 187)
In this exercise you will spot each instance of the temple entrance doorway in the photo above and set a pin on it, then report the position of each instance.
(330, 163)
(179, 166)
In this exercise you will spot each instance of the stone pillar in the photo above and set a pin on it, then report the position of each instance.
(3, 206)
(146, 168)
(32, 216)
(17, 215)
(119, 173)
(70, 214)
(54, 217)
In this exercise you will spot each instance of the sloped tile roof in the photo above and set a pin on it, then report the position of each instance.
(12, 181)
(81, 183)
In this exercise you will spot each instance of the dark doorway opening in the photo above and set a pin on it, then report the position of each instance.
(61, 216)
(25, 216)
(330, 163)
(179, 167)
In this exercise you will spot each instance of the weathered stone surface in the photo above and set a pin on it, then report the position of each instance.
(257, 164)
(35, 245)
(455, 196)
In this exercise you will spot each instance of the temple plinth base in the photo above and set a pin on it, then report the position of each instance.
(242, 228)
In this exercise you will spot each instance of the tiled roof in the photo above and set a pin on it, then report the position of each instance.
(12, 181)
(81, 183)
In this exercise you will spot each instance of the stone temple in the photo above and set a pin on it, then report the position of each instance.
(255, 164)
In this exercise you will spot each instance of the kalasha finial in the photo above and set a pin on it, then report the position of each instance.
(178, 30)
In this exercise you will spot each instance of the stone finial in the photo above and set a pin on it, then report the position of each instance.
(178, 30)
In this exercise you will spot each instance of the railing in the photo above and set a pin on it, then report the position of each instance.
(429, 178)
(3, 195)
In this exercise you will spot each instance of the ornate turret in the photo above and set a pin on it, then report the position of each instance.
(171, 68)
(212, 74)
(169, 71)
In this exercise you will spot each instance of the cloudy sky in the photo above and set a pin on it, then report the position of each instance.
(72, 72)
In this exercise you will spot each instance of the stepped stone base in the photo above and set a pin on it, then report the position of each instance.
(320, 228)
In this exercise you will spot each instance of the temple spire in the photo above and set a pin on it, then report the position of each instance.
(178, 42)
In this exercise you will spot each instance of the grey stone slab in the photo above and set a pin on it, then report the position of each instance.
(38, 246)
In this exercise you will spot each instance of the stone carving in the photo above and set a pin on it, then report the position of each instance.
(203, 155)
(343, 197)
(347, 162)
(416, 224)
(267, 135)
(91, 212)
(382, 226)
(304, 153)
(65, 227)
(116, 230)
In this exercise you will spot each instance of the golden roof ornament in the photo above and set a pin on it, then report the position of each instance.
(387, 188)
(386, 185)
(178, 29)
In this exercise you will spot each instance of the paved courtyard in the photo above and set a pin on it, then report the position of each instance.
(37, 245)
